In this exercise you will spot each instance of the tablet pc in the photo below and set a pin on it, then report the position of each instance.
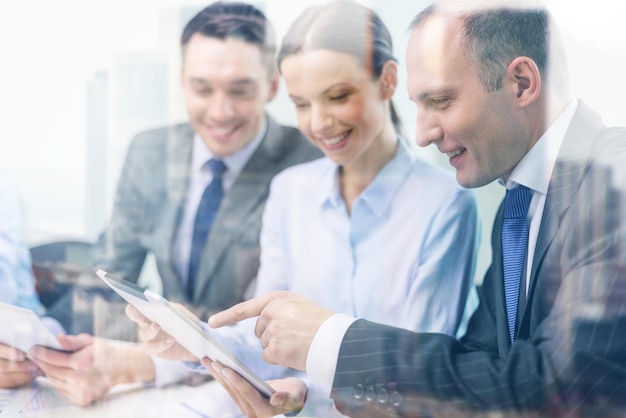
(186, 332)
(24, 329)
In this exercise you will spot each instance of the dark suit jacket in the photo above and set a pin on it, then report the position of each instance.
(570, 351)
(148, 206)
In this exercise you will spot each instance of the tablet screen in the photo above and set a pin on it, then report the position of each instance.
(186, 332)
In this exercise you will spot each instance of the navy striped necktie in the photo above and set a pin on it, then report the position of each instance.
(514, 244)
(207, 209)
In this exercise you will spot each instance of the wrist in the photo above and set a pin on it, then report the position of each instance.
(132, 365)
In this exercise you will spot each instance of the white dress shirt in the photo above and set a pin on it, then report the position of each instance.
(533, 171)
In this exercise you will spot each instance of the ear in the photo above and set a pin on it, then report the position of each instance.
(389, 79)
(524, 79)
(273, 88)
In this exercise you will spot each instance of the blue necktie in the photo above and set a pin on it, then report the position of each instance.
(514, 244)
(209, 204)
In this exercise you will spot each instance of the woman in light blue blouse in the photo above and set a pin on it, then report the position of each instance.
(370, 230)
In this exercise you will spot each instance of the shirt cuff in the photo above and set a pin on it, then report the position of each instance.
(195, 367)
(167, 372)
(321, 361)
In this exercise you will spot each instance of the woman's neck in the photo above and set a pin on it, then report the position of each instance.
(357, 176)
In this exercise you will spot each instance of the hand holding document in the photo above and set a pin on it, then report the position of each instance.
(23, 329)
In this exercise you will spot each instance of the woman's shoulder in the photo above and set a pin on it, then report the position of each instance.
(423, 169)
(302, 183)
(435, 180)
(310, 171)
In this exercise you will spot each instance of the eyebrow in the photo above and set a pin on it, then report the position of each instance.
(326, 91)
(243, 82)
(427, 94)
(332, 87)
(238, 82)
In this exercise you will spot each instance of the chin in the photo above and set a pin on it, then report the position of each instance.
(469, 182)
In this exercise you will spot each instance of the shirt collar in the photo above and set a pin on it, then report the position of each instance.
(535, 168)
(378, 195)
(234, 162)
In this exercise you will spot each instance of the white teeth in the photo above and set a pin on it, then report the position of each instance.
(455, 152)
(335, 139)
(222, 131)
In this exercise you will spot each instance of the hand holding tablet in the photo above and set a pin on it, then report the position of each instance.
(22, 329)
(187, 333)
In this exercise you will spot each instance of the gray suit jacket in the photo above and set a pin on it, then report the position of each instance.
(148, 207)
(569, 356)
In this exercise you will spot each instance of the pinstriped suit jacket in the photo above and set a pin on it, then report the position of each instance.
(149, 202)
(570, 351)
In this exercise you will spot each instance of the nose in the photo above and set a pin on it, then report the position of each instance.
(220, 107)
(427, 129)
(320, 120)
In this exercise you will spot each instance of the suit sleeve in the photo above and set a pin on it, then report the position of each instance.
(120, 249)
(573, 359)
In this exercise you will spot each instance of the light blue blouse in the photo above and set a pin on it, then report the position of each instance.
(405, 256)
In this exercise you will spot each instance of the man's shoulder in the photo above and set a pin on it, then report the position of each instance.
(283, 131)
(289, 144)
(162, 135)
(160, 144)
(611, 139)
(606, 168)
(609, 150)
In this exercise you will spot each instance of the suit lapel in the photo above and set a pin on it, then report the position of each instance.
(250, 188)
(564, 183)
(179, 145)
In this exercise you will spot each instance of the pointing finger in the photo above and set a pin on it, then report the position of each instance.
(243, 310)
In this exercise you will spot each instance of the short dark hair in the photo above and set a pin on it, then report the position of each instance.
(343, 26)
(494, 37)
(237, 20)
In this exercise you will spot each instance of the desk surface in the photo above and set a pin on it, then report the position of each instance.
(208, 400)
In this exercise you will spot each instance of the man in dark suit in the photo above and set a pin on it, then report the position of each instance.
(168, 189)
(549, 336)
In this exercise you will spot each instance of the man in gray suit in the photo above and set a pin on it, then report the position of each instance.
(549, 334)
(228, 75)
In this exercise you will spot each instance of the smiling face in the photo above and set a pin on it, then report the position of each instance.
(340, 107)
(483, 133)
(226, 87)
